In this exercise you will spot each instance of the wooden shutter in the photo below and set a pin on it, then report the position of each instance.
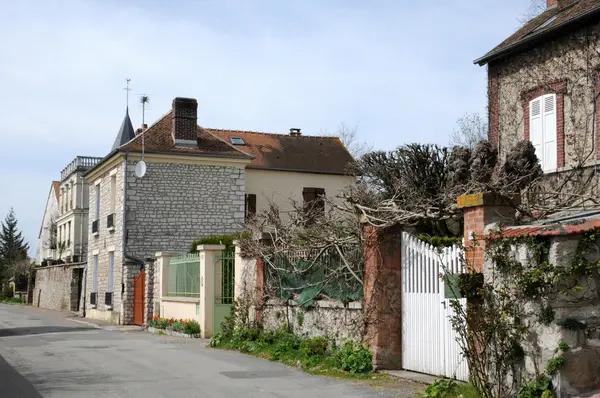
(536, 128)
(308, 195)
(320, 199)
(250, 205)
(549, 140)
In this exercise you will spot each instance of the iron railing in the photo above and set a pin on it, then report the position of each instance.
(80, 163)
(225, 277)
(184, 276)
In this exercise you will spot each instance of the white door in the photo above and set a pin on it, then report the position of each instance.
(428, 340)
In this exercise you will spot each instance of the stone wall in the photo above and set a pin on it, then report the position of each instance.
(563, 66)
(325, 318)
(581, 371)
(56, 287)
(175, 204)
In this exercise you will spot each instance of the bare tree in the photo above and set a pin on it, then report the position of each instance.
(536, 7)
(470, 130)
(349, 137)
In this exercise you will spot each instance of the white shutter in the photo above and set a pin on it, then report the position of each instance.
(550, 147)
(536, 128)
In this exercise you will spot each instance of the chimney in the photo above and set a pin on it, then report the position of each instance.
(185, 120)
(139, 130)
(551, 3)
(295, 132)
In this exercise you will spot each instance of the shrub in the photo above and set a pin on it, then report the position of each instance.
(540, 387)
(440, 389)
(226, 240)
(187, 326)
(8, 292)
(314, 346)
(192, 327)
(355, 358)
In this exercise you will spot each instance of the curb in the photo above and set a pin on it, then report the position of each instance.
(84, 323)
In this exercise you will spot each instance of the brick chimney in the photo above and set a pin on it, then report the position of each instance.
(185, 120)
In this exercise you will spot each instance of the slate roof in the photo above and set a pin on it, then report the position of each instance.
(570, 14)
(158, 138)
(285, 152)
(125, 133)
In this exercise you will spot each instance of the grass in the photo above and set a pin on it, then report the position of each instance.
(447, 388)
(12, 300)
(465, 390)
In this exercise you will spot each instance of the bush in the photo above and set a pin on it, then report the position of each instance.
(12, 300)
(187, 326)
(7, 292)
(538, 388)
(315, 346)
(355, 358)
(442, 388)
(226, 240)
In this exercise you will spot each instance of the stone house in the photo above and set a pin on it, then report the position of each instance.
(46, 236)
(543, 86)
(195, 186)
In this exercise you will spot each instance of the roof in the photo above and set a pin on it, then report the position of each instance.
(125, 133)
(567, 225)
(56, 186)
(300, 153)
(158, 138)
(569, 15)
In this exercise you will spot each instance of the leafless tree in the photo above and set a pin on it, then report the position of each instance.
(470, 130)
(349, 137)
(535, 8)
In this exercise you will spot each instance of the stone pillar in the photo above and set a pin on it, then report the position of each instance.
(161, 278)
(383, 296)
(208, 256)
(480, 211)
(149, 292)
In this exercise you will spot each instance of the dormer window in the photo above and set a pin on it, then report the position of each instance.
(237, 140)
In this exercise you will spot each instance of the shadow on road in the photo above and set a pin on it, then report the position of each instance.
(13, 384)
(25, 331)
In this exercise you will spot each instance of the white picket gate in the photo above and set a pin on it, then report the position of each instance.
(428, 341)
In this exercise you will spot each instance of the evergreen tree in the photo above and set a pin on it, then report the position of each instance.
(13, 247)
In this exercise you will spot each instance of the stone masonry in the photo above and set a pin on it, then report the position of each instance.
(173, 205)
(56, 287)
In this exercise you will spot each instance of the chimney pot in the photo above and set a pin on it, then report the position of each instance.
(295, 132)
(185, 120)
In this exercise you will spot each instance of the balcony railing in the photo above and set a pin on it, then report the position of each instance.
(80, 163)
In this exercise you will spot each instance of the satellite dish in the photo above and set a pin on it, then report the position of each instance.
(140, 169)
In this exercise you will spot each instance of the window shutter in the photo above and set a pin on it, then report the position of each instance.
(308, 195)
(250, 205)
(320, 199)
(536, 128)
(549, 140)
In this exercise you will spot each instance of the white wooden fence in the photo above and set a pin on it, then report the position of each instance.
(429, 343)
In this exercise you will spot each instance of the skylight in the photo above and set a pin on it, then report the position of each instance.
(236, 140)
(548, 22)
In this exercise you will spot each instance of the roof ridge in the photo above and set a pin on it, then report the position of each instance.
(145, 131)
(266, 133)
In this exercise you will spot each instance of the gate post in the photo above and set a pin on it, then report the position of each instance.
(382, 295)
(161, 278)
(208, 257)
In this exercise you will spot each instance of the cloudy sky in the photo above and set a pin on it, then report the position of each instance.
(400, 71)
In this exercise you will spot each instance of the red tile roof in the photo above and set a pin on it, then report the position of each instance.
(158, 138)
(569, 14)
(294, 153)
(557, 229)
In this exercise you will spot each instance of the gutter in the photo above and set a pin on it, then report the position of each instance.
(533, 38)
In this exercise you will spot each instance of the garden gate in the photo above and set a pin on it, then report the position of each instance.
(428, 341)
(224, 285)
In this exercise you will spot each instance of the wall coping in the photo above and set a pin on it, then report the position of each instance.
(484, 199)
(353, 305)
(181, 299)
(66, 265)
(167, 254)
(201, 248)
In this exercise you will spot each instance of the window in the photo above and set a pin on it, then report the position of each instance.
(97, 202)
(543, 127)
(237, 140)
(111, 270)
(250, 209)
(314, 202)
(548, 22)
(95, 275)
(69, 233)
(113, 193)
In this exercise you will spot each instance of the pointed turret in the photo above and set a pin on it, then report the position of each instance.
(126, 132)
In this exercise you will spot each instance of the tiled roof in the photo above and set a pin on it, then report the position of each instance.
(158, 138)
(302, 153)
(56, 186)
(568, 14)
(554, 229)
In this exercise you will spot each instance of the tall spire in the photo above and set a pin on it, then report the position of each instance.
(126, 132)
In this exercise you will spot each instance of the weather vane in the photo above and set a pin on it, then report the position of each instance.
(127, 90)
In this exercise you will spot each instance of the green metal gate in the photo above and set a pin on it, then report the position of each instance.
(224, 285)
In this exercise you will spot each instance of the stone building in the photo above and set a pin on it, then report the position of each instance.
(196, 185)
(543, 83)
(45, 248)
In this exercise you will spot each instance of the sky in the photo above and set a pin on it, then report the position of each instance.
(399, 71)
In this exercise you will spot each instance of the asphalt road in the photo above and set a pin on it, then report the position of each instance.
(43, 354)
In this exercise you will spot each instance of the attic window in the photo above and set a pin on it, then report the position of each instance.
(548, 22)
(236, 140)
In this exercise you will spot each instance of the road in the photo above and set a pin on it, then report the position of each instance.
(44, 354)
